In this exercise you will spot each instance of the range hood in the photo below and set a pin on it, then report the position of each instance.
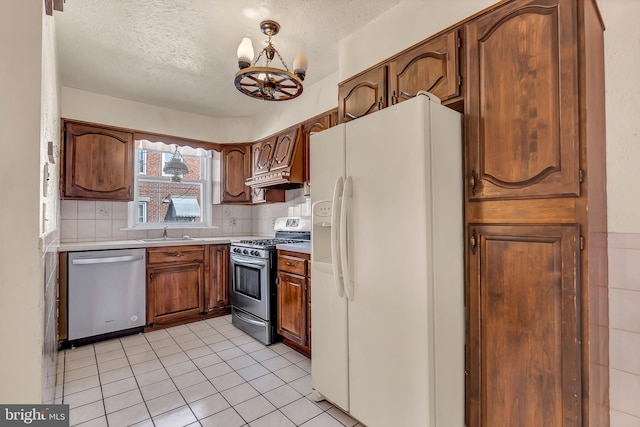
(278, 161)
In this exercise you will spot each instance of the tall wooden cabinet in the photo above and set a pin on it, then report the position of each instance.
(536, 216)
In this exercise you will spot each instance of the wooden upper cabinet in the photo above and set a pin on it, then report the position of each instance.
(262, 154)
(522, 121)
(278, 161)
(284, 150)
(97, 163)
(523, 350)
(235, 167)
(433, 66)
(362, 94)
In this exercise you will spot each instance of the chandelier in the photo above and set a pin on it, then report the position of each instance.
(176, 167)
(267, 82)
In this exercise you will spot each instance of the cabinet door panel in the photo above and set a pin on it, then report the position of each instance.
(362, 95)
(524, 352)
(523, 117)
(292, 308)
(176, 291)
(432, 66)
(236, 168)
(283, 151)
(98, 163)
(262, 153)
(219, 280)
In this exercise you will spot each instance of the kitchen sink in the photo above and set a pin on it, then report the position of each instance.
(167, 239)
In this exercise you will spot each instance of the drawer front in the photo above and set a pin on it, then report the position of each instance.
(292, 265)
(175, 254)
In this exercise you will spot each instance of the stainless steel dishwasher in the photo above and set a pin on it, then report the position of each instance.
(106, 293)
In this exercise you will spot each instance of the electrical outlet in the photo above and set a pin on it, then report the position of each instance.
(233, 222)
(273, 222)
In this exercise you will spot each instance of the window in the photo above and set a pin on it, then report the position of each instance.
(142, 211)
(142, 162)
(158, 200)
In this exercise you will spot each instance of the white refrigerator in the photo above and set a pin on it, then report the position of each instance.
(387, 295)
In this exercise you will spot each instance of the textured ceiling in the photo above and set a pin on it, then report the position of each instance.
(182, 54)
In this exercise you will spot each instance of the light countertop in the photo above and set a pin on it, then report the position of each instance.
(126, 244)
(304, 248)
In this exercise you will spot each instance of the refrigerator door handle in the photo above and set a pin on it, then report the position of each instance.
(344, 235)
(336, 207)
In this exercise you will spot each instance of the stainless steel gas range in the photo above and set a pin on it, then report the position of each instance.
(253, 278)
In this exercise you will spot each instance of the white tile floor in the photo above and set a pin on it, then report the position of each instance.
(207, 373)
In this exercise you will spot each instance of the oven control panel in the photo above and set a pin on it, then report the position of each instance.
(249, 252)
(293, 223)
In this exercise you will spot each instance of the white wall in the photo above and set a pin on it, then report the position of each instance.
(92, 107)
(21, 277)
(401, 27)
(315, 99)
(622, 71)
(50, 131)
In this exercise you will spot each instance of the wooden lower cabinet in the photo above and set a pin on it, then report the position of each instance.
(217, 290)
(294, 301)
(175, 283)
(523, 306)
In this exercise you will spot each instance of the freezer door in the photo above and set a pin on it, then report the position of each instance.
(329, 364)
(390, 254)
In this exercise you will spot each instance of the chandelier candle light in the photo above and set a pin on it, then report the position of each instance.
(267, 82)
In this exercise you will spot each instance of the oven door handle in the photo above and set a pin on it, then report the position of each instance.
(248, 261)
(246, 319)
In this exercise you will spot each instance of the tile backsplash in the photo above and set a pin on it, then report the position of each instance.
(624, 332)
(91, 221)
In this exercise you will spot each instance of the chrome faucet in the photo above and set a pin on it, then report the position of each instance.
(164, 232)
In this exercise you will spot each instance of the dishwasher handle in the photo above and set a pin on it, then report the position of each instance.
(106, 260)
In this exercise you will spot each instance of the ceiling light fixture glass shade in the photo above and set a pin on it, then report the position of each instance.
(267, 82)
(176, 167)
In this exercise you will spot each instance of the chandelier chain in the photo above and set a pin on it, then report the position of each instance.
(282, 60)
